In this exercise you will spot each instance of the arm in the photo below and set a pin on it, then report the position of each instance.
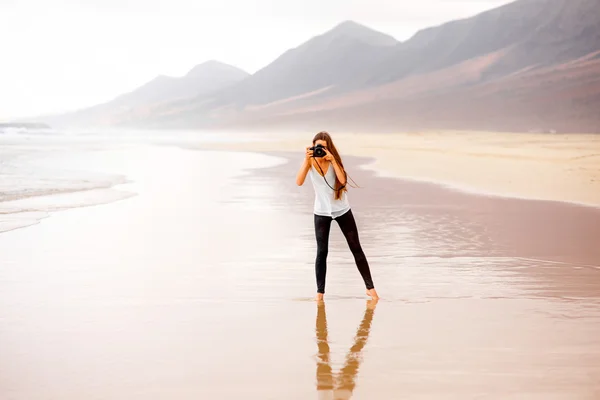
(341, 176)
(338, 172)
(306, 165)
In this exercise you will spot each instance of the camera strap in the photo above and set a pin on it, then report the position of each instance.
(323, 175)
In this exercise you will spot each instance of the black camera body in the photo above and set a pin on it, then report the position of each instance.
(318, 151)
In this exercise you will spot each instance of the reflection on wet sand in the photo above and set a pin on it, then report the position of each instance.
(113, 301)
(341, 385)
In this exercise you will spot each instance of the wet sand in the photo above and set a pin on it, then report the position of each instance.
(553, 167)
(200, 286)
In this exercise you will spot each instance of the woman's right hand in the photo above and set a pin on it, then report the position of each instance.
(306, 165)
(309, 153)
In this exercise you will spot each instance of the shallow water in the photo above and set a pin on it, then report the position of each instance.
(200, 286)
(40, 174)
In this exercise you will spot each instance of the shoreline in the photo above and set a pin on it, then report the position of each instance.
(24, 215)
(31, 207)
(439, 158)
(562, 168)
(470, 190)
(556, 232)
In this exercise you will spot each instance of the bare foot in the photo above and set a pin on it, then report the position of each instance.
(373, 294)
(319, 297)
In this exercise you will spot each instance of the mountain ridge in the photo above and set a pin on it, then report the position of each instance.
(440, 68)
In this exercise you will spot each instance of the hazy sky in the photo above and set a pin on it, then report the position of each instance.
(58, 55)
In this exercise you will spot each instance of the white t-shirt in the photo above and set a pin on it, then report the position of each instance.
(325, 204)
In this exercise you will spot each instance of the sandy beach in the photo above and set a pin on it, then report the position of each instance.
(559, 167)
(200, 283)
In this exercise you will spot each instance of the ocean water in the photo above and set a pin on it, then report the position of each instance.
(44, 173)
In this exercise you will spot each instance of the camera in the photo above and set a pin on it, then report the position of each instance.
(318, 150)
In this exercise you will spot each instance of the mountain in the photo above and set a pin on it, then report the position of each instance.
(323, 64)
(527, 65)
(527, 33)
(204, 78)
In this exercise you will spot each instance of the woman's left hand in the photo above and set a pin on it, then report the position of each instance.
(329, 156)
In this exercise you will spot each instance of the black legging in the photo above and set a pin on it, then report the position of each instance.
(348, 227)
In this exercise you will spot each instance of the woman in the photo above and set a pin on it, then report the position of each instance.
(331, 203)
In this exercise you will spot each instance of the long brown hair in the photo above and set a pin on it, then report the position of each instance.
(339, 189)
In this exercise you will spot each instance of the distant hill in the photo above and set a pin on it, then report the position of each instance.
(204, 78)
(528, 65)
(23, 125)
